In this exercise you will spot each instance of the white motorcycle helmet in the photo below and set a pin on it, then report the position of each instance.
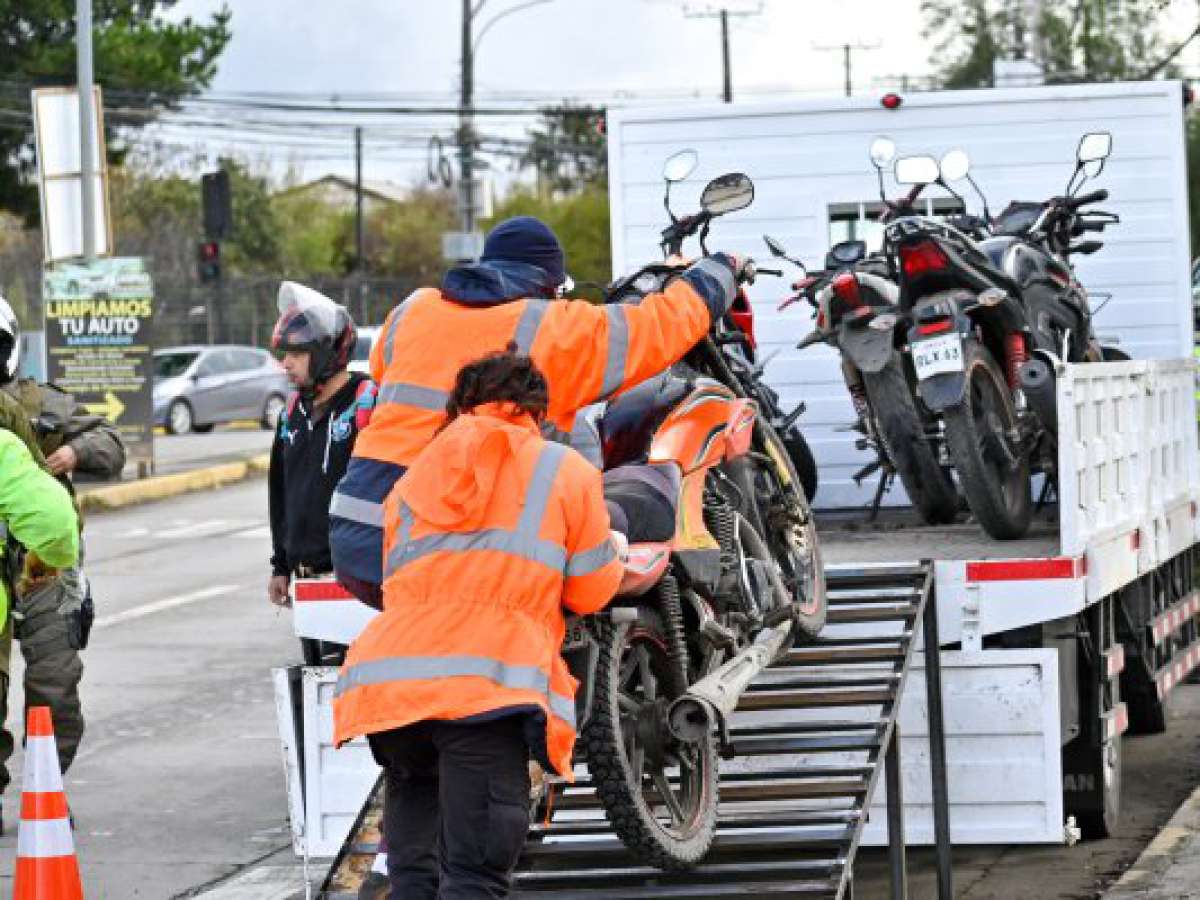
(10, 342)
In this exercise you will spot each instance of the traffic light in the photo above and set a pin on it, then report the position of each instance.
(218, 209)
(209, 262)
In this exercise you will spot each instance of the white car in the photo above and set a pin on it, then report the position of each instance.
(360, 360)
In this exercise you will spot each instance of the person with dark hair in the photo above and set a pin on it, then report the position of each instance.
(313, 440)
(587, 353)
(459, 681)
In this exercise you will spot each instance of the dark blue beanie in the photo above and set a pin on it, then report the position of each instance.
(528, 240)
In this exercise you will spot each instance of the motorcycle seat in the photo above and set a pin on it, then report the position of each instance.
(642, 501)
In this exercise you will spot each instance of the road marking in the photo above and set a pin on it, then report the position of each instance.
(264, 883)
(258, 531)
(148, 609)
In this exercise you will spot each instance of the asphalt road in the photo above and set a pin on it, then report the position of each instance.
(179, 780)
(179, 785)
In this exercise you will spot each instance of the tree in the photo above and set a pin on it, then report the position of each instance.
(145, 63)
(405, 239)
(579, 219)
(568, 150)
(1077, 40)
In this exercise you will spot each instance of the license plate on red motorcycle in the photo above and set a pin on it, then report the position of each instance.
(937, 356)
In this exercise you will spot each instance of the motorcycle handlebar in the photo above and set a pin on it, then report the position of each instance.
(1094, 197)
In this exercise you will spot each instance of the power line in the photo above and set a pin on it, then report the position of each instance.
(724, 14)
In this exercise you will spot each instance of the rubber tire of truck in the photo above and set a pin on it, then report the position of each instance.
(1147, 713)
(1005, 514)
(1096, 808)
(927, 484)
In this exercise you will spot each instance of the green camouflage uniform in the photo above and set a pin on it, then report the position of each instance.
(53, 667)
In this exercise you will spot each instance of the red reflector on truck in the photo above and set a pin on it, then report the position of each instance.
(1027, 569)
(306, 591)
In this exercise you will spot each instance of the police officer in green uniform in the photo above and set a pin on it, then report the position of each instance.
(50, 617)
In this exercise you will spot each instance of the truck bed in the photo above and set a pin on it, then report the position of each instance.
(898, 536)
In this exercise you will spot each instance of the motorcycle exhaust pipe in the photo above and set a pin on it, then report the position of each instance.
(712, 699)
(1038, 381)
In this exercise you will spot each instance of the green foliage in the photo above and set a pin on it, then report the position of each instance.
(1075, 40)
(405, 239)
(145, 64)
(313, 238)
(581, 222)
(567, 150)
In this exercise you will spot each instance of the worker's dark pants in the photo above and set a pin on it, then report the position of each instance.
(457, 807)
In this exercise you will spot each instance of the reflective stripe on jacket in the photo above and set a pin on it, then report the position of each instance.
(489, 534)
(587, 353)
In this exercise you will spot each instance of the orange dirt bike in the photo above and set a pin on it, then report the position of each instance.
(723, 573)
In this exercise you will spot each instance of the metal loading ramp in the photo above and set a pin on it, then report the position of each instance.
(811, 740)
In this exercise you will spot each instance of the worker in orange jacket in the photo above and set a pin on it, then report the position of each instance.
(588, 353)
(489, 534)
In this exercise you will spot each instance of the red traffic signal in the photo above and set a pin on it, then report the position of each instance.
(209, 261)
(891, 101)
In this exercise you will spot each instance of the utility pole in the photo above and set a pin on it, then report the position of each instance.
(87, 125)
(724, 15)
(847, 51)
(466, 131)
(358, 199)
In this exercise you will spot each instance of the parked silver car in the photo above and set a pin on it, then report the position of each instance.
(197, 387)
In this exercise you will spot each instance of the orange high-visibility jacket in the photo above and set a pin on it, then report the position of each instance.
(489, 534)
(588, 353)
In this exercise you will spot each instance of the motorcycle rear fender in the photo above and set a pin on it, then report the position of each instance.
(644, 568)
(944, 391)
(868, 348)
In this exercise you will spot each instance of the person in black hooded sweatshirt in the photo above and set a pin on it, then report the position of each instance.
(314, 438)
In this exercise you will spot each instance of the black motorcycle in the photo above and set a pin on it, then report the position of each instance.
(990, 315)
(856, 307)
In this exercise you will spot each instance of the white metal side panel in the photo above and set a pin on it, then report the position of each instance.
(1004, 766)
(1128, 454)
(336, 781)
(804, 156)
(290, 744)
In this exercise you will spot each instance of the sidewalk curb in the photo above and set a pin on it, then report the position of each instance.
(1160, 872)
(161, 487)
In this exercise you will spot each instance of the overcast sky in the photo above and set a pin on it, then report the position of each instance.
(561, 47)
(558, 48)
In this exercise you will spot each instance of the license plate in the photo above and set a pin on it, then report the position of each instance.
(937, 355)
(576, 635)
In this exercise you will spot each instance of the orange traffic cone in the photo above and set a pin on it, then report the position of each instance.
(46, 865)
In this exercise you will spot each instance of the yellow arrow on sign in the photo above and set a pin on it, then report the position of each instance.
(111, 408)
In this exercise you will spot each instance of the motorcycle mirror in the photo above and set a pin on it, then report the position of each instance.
(778, 251)
(917, 170)
(847, 253)
(883, 151)
(955, 165)
(727, 193)
(680, 165)
(1094, 147)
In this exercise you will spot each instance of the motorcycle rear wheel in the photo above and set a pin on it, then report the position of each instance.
(999, 495)
(659, 794)
(927, 484)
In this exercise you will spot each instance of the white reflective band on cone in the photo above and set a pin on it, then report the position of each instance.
(44, 838)
(42, 773)
(380, 864)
